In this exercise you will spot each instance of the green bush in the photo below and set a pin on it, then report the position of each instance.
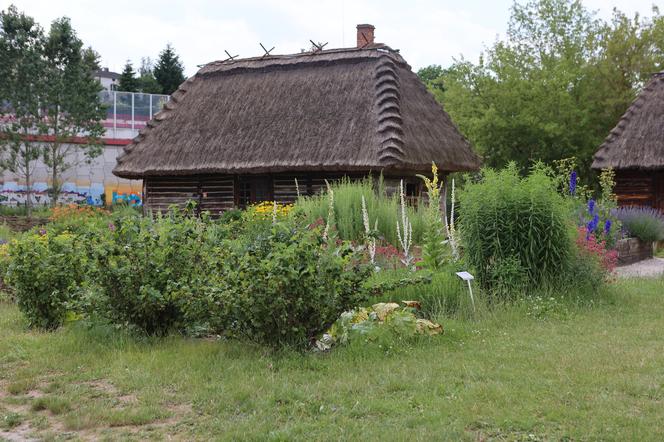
(140, 265)
(348, 210)
(513, 226)
(280, 288)
(46, 272)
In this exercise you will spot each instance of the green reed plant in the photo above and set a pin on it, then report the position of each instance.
(348, 219)
(516, 224)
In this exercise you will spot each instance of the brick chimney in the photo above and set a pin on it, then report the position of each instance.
(365, 35)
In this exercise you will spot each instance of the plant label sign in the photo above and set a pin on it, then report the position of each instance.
(465, 276)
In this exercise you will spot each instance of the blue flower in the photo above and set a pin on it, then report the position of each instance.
(592, 224)
(591, 206)
(572, 183)
(607, 226)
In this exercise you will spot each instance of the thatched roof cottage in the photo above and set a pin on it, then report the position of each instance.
(635, 149)
(241, 131)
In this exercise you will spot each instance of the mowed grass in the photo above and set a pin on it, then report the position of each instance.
(596, 374)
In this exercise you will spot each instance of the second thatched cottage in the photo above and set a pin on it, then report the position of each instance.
(635, 149)
(241, 131)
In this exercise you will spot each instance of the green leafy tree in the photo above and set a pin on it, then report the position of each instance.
(147, 83)
(72, 106)
(128, 81)
(169, 71)
(21, 82)
(555, 86)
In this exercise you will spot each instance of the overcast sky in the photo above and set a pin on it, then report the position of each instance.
(426, 31)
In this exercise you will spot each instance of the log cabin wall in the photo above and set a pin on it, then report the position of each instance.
(640, 188)
(217, 193)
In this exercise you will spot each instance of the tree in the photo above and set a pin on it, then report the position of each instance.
(128, 81)
(92, 59)
(71, 106)
(169, 71)
(555, 86)
(21, 67)
(146, 81)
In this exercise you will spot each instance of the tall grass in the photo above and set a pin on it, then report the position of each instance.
(348, 210)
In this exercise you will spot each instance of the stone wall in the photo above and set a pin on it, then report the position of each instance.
(631, 250)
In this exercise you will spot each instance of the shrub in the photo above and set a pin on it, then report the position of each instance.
(644, 223)
(348, 210)
(282, 288)
(46, 272)
(141, 264)
(522, 222)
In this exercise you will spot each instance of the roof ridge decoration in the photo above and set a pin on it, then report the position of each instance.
(388, 106)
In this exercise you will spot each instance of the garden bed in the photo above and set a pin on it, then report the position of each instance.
(20, 223)
(631, 250)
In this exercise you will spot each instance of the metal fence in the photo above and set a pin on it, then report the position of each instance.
(130, 110)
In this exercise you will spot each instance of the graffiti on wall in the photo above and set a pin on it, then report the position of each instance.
(94, 194)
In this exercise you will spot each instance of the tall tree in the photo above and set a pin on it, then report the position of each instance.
(128, 81)
(71, 107)
(169, 70)
(556, 84)
(92, 59)
(147, 83)
(21, 67)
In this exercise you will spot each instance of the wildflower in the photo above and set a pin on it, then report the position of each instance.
(607, 227)
(572, 183)
(42, 232)
(111, 227)
(591, 206)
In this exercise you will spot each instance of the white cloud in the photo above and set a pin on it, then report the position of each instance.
(426, 31)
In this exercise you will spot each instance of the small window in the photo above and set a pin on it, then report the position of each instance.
(412, 194)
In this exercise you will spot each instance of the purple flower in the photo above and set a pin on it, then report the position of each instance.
(592, 224)
(591, 206)
(607, 226)
(572, 183)
(42, 232)
(111, 227)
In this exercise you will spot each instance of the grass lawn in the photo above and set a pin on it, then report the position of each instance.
(596, 373)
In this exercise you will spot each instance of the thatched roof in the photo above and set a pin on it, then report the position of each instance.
(637, 142)
(333, 110)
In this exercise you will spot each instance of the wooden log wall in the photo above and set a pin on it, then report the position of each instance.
(640, 188)
(217, 193)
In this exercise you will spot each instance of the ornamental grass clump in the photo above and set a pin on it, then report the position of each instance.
(347, 210)
(644, 223)
(516, 224)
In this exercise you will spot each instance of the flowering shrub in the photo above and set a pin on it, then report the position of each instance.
(266, 210)
(645, 223)
(72, 210)
(592, 247)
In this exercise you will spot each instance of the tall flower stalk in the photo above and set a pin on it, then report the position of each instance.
(451, 230)
(297, 188)
(370, 236)
(330, 211)
(405, 231)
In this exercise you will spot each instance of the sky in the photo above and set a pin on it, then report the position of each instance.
(426, 31)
